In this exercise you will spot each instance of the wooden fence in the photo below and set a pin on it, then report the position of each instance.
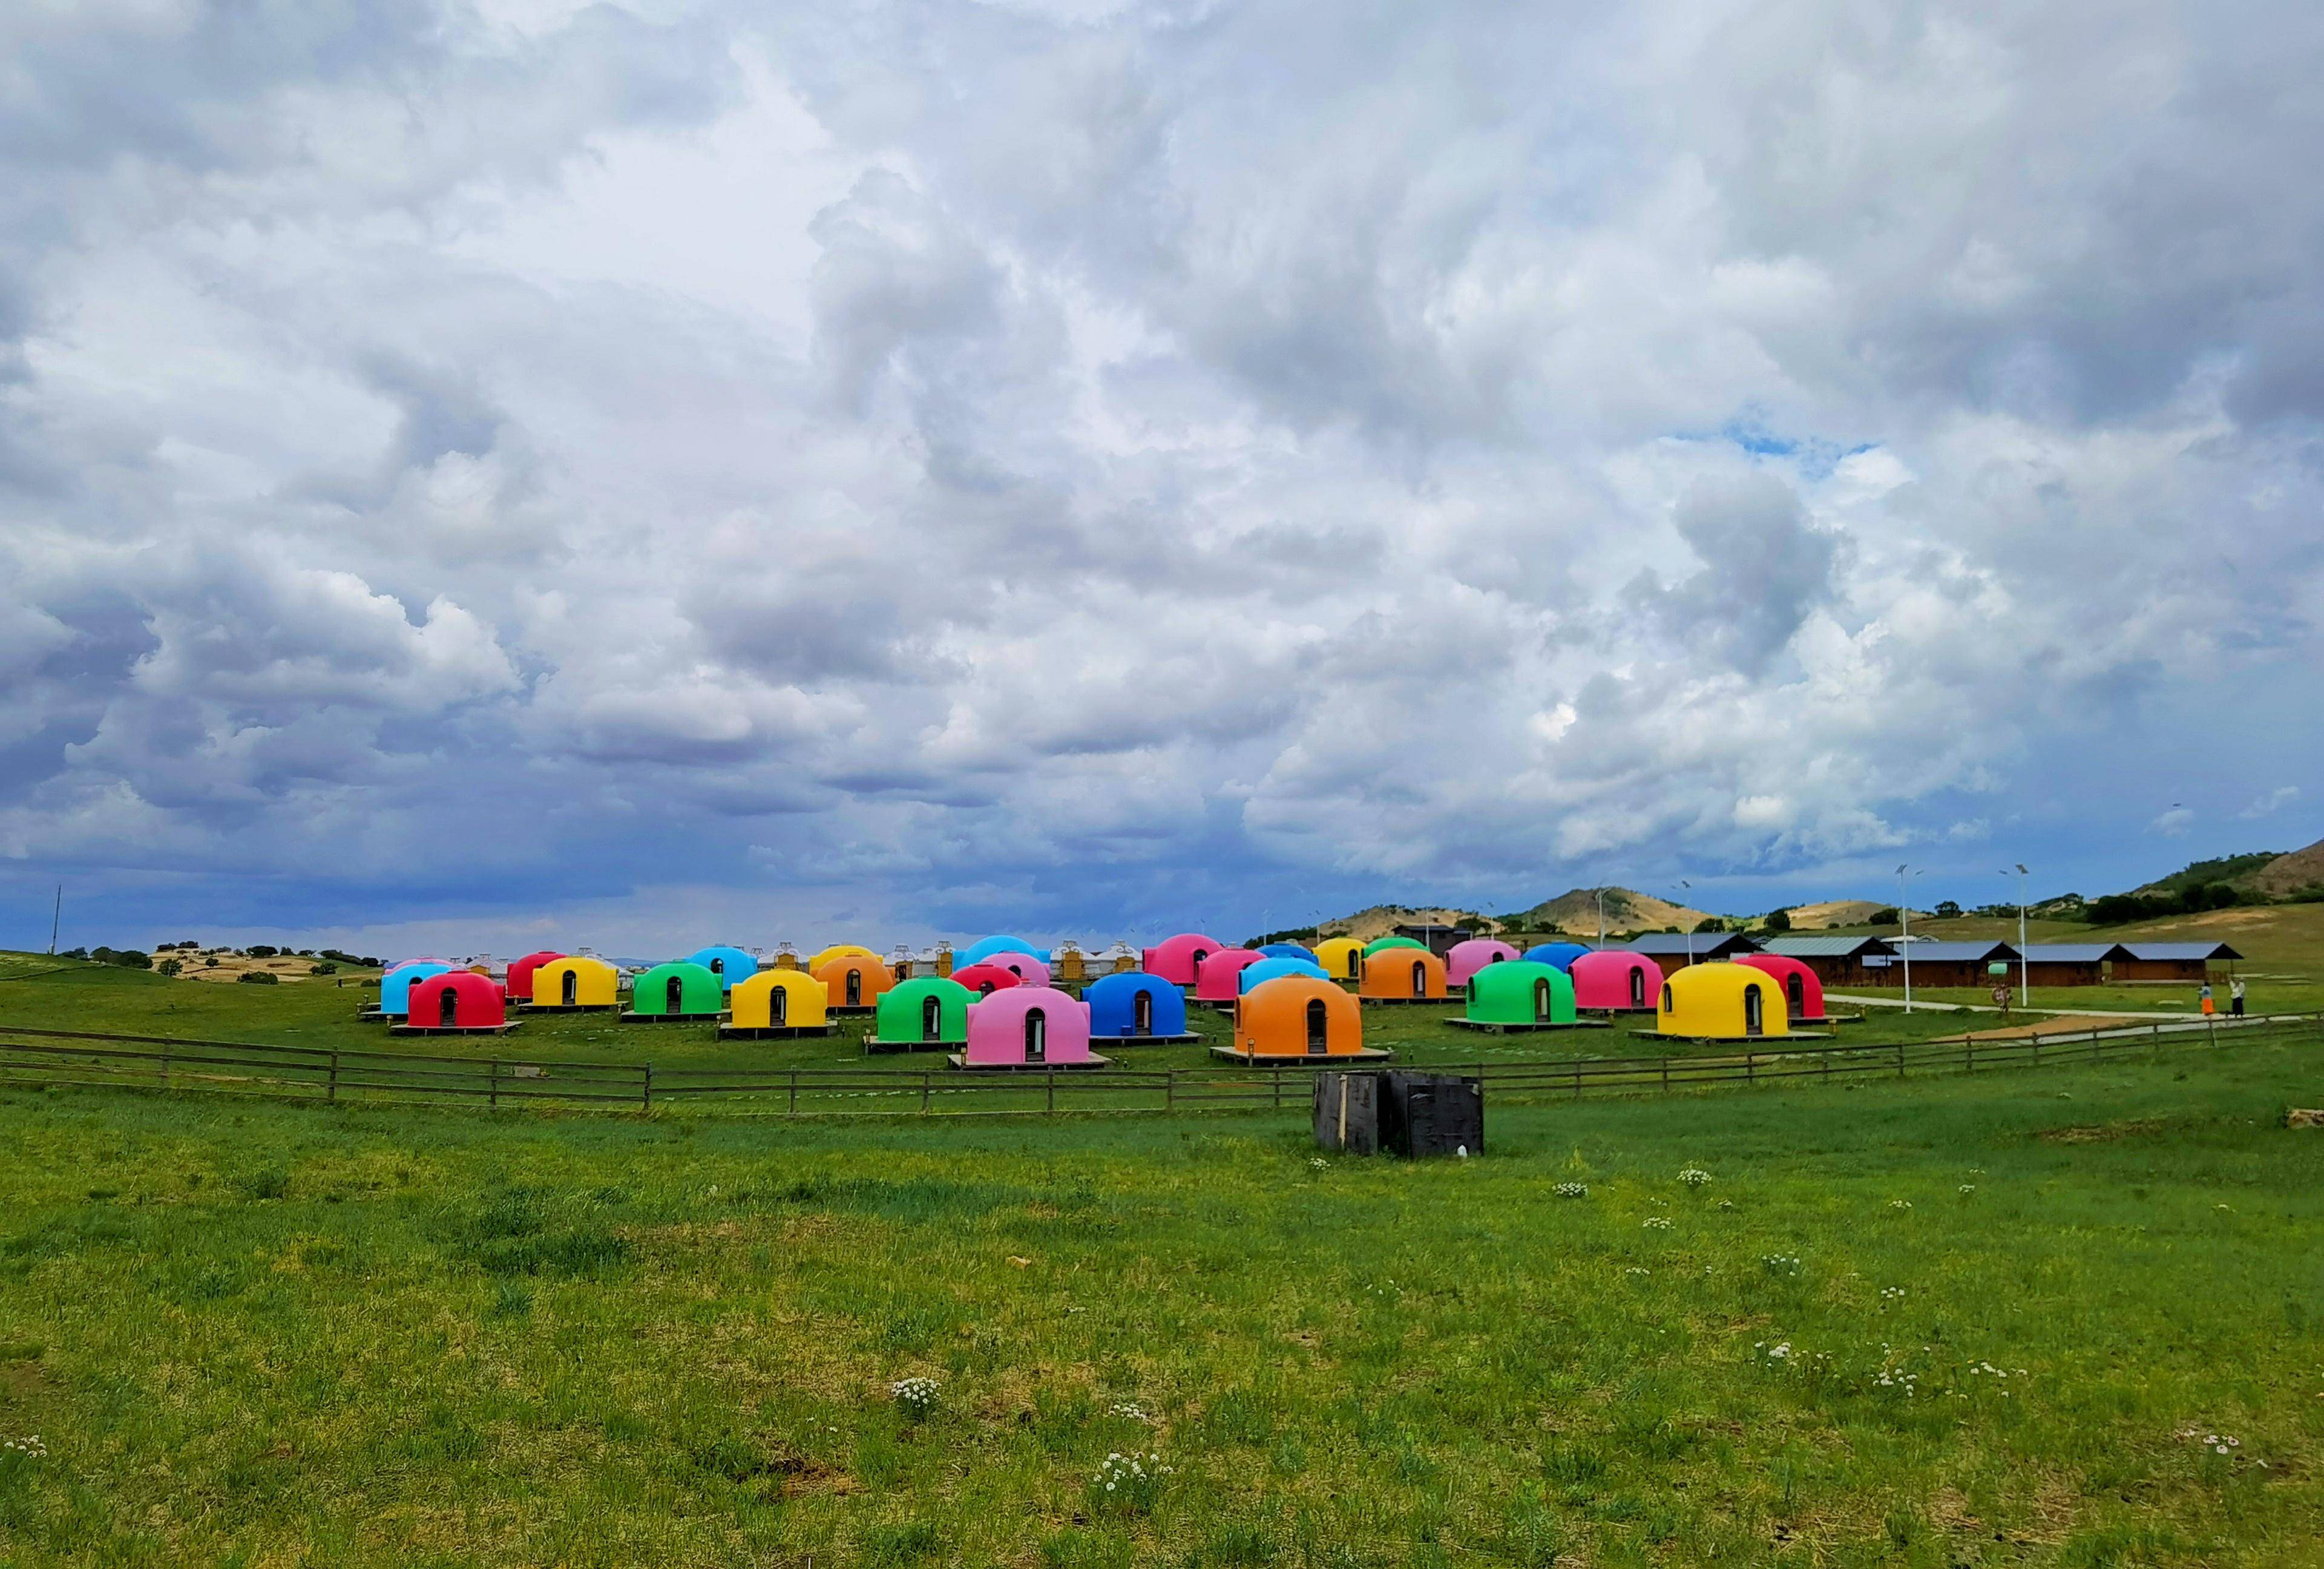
(52, 1057)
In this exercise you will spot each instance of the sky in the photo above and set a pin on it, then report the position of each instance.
(515, 473)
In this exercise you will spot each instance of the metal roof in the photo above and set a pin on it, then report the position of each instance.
(1825, 947)
(2181, 951)
(2073, 953)
(1922, 953)
(1701, 944)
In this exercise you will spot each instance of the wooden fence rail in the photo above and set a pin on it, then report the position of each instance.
(49, 1057)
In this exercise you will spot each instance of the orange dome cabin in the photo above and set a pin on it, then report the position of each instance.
(1403, 975)
(1299, 1021)
(456, 1003)
(853, 981)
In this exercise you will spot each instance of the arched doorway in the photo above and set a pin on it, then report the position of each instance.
(1797, 994)
(854, 988)
(1319, 1034)
(1419, 979)
(1355, 964)
(673, 995)
(448, 1009)
(1141, 1013)
(1036, 1035)
(779, 1005)
(718, 968)
(568, 987)
(932, 1018)
(1637, 988)
(1541, 1001)
(1753, 1023)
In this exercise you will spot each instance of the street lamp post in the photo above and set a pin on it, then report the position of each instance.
(1904, 934)
(2025, 964)
(1601, 918)
(1683, 885)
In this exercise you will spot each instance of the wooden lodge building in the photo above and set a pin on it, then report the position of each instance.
(1839, 961)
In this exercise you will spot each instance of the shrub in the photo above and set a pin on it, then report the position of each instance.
(1710, 923)
(324, 969)
(1947, 909)
(264, 950)
(170, 966)
(1779, 920)
(258, 978)
(1885, 917)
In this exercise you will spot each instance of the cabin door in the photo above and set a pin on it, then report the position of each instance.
(779, 1005)
(569, 987)
(1637, 988)
(673, 995)
(1419, 979)
(1355, 964)
(1753, 1023)
(448, 1009)
(932, 1018)
(1319, 1040)
(854, 988)
(1798, 994)
(1541, 1002)
(1037, 1036)
(1141, 1014)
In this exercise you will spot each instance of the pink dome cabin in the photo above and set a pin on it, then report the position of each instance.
(1176, 959)
(1218, 976)
(985, 979)
(1028, 970)
(1028, 1029)
(520, 971)
(456, 1003)
(1463, 960)
(1803, 988)
(1615, 980)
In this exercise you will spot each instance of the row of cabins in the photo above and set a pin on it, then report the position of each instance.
(1868, 961)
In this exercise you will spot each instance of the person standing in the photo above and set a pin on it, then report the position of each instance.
(2236, 997)
(2205, 997)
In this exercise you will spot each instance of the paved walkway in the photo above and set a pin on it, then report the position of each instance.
(1989, 1008)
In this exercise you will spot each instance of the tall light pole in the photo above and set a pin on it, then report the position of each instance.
(2025, 966)
(56, 915)
(1904, 934)
(1601, 918)
(1680, 890)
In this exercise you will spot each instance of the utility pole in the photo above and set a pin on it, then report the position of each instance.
(1601, 918)
(55, 915)
(1683, 886)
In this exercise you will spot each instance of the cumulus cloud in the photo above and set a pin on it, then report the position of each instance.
(1086, 467)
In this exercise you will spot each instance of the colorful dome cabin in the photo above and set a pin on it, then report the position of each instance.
(852, 982)
(1722, 1002)
(777, 1005)
(732, 966)
(1214, 977)
(1266, 970)
(1463, 960)
(456, 1002)
(1803, 988)
(1133, 1008)
(976, 953)
(1382, 944)
(575, 984)
(924, 1014)
(984, 979)
(1558, 955)
(1614, 980)
(1411, 974)
(1299, 1021)
(1519, 996)
(521, 971)
(1028, 1030)
(1288, 951)
(395, 986)
(1176, 959)
(674, 993)
(1028, 970)
(836, 951)
(1342, 958)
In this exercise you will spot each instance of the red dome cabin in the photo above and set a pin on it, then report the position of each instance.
(456, 1003)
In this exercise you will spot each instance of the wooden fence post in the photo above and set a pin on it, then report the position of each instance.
(928, 1087)
(1051, 1075)
(1900, 1060)
(793, 1111)
(645, 1088)
(492, 1084)
(335, 1076)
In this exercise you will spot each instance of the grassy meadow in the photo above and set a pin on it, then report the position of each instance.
(1949, 1322)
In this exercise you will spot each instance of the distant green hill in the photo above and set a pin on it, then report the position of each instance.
(2232, 869)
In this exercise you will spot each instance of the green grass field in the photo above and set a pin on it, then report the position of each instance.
(252, 1333)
